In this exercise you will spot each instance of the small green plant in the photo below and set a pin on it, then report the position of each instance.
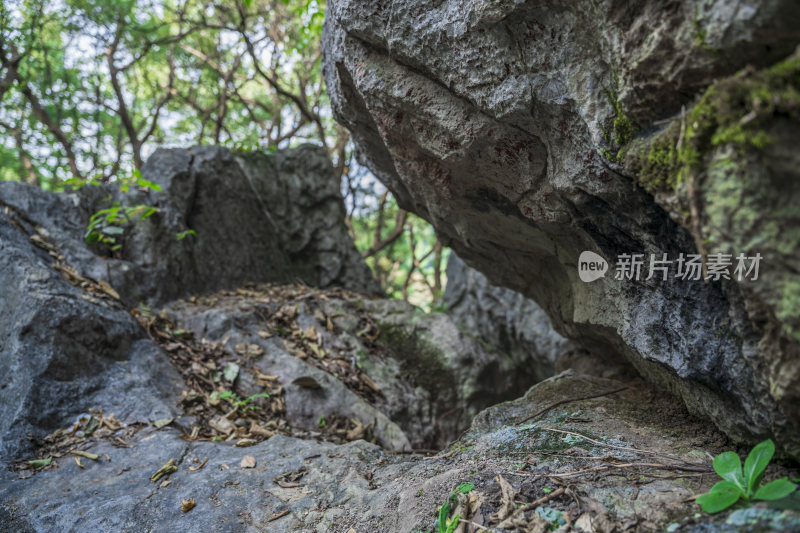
(445, 524)
(738, 484)
(183, 234)
(243, 404)
(321, 423)
(136, 180)
(108, 224)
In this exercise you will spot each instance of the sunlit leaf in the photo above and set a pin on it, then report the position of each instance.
(729, 467)
(722, 495)
(756, 462)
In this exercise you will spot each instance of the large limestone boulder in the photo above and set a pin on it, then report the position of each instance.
(518, 130)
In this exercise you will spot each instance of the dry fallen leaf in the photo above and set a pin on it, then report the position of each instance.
(165, 470)
(290, 479)
(370, 383)
(242, 443)
(248, 461)
(222, 425)
(318, 352)
(311, 333)
(187, 505)
(108, 289)
(357, 432)
(78, 462)
(92, 456)
(257, 429)
(507, 506)
(198, 467)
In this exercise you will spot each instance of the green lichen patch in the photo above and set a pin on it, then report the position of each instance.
(733, 112)
(622, 129)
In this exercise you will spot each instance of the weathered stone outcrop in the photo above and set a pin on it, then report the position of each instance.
(508, 321)
(71, 344)
(98, 363)
(504, 124)
(280, 406)
(257, 217)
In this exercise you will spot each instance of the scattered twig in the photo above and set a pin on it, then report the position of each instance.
(480, 527)
(570, 400)
(544, 499)
(444, 455)
(619, 466)
(278, 515)
(425, 451)
(629, 449)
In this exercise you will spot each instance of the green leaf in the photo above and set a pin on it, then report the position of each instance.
(453, 524)
(183, 234)
(722, 495)
(780, 488)
(444, 512)
(113, 230)
(729, 467)
(464, 488)
(38, 463)
(756, 462)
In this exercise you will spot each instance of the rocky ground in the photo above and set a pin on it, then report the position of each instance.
(629, 460)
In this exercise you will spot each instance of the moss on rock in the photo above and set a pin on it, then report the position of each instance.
(734, 111)
(423, 360)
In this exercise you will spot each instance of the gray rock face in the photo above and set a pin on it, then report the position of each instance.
(65, 351)
(251, 214)
(500, 122)
(70, 347)
(63, 354)
(507, 320)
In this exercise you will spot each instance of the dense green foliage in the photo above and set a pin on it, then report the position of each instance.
(89, 88)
